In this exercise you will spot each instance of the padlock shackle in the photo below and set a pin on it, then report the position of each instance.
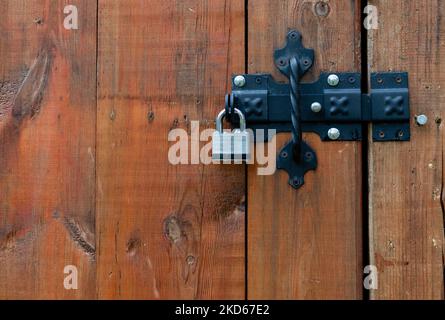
(221, 115)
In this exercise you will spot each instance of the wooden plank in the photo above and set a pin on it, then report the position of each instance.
(47, 147)
(165, 231)
(406, 179)
(307, 244)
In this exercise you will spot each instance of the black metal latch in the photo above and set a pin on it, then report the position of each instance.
(333, 106)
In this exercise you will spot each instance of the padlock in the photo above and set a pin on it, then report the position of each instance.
(233, 145)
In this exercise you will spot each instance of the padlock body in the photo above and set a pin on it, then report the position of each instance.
(233, 145)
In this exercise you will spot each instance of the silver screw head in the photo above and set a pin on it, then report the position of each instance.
(333, 80)
(421, 120)
(239, 81)
(333, 133)
(316, 107)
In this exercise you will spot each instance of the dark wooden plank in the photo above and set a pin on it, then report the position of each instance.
(406, 179)
(47, 147)
(165, 231)
(306, 244)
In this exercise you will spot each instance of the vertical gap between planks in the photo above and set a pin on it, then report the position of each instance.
(96, 238)
(442, 207)
(365, 145)
(246, 190)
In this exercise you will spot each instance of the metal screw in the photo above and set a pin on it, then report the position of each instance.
(316, 107)
(308, 156)
(421, 120)
(333, 80)
(297, 182)
(239, 81)
(333, 133)
(293, 35)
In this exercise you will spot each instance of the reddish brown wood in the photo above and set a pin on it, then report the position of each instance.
(406, 179)
(47, 149)
(306, 244)
(165, 231)
(177, 232)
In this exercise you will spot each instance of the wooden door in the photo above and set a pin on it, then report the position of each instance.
(85, 181)
(307, 243)
(47, 149)
(166, 231)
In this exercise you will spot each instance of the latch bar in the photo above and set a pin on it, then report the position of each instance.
(266, 105)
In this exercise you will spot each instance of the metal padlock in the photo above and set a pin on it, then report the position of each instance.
(233, 145)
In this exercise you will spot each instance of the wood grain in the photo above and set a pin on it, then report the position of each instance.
(166, 231)
(47, 147)
(307, 243)
(406, 179)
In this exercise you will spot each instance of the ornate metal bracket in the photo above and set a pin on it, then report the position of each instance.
(333, 106)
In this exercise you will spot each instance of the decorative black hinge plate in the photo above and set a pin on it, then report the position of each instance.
(266, 105)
